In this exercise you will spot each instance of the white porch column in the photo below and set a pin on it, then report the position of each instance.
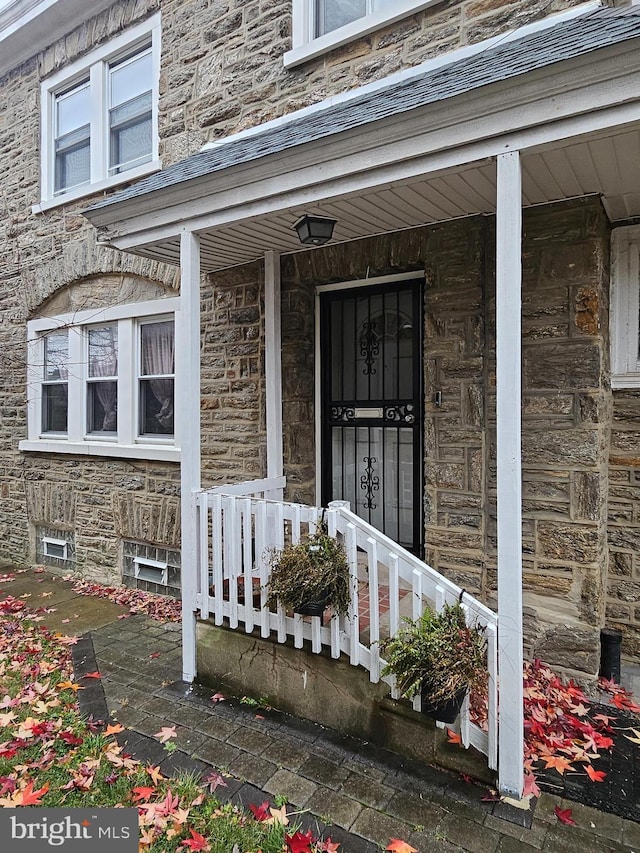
(273, 367)
(509, 465)
(188, 435)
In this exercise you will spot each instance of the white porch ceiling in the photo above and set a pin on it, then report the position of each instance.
(607, 164)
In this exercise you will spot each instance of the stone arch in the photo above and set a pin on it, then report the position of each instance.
(84, 262)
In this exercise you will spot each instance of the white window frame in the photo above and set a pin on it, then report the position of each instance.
(59, 543)
(306, 45)
(126, 442)
(94, 67)
(142, 563)
(624, 324)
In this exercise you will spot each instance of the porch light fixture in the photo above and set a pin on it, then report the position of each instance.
(314, 230)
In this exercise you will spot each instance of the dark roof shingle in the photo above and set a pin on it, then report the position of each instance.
(502, 61)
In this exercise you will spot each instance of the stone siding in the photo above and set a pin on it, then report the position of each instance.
(223, 69)
(623, 591)
(566, 417)
(232, 376)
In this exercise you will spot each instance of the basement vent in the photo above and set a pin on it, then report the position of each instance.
(150, 570)
(56, 548)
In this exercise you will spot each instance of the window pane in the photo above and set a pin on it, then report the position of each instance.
(103, 351)
(130, 79)
(102, 407)
(156, 407)
(156, 394)
(54, 408)
(72, 110)
(157, 348)
(131, 134)
(73, 159)
(336, 13)
(56, 355)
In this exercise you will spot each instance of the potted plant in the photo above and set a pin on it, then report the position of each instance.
(439, 657)
(310, 576)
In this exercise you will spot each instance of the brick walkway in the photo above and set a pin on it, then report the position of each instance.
(364, 794)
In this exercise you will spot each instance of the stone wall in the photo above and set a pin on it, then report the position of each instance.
(623, 591)
(565, 409)
(566, 418)
(232, 376)
(223, 70)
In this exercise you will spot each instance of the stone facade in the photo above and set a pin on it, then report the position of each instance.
(566, 412)
(623, 592)
(221, 72)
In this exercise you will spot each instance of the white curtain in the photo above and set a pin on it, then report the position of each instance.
(103, 361)
(158, 352)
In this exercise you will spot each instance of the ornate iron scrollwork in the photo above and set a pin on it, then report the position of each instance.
(369, 346)
(342, 413)
(401, 412)
(369, 482)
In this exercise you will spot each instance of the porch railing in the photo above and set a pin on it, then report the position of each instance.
(238, 528)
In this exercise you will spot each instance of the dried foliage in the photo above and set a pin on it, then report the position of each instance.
(312, 571)
(439, 653)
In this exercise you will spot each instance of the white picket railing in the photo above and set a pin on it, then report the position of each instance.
(239, 528)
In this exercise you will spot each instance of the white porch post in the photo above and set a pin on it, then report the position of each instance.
(273, 367)
(509, 465)
(188, 434)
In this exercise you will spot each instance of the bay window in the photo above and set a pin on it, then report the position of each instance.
(103, 382)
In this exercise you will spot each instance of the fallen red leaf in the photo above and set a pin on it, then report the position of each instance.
(94, 674)
(142, 793)
(300, 842)
(260, 812)
(595, 775)
(29, 797)
(564, 816)
(213, 780)
(453, 737)
(396, 845)
(196, 842)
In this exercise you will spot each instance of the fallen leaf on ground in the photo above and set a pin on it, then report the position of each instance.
(396, 845)
(595, 775)
(564, 816)
(166, 733)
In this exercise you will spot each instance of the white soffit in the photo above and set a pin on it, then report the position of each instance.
(603, 164)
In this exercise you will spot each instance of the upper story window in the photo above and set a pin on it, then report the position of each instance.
(625, 308)
(320, 25)
(103, 382)
(99, 117)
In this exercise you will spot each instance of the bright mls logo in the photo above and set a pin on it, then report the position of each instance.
(35, 830)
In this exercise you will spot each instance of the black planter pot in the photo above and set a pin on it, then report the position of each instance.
(446, 710)
(315, 607)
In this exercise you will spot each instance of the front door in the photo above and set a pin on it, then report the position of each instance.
(370, 349)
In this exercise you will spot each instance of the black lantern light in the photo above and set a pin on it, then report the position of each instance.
(314, 230)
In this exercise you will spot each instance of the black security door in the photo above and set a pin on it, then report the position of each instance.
(371, 406)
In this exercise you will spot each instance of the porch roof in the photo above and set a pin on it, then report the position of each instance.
(201, 192)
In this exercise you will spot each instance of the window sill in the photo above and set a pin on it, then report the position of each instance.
(356, 29)
(157, 452)
(90, 189)
(625, 380)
